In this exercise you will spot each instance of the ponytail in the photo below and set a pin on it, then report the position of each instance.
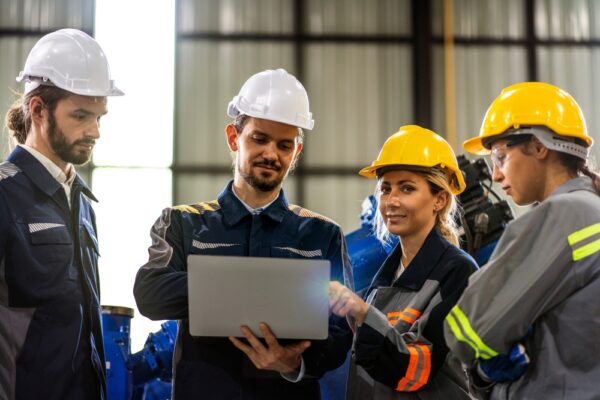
(18, 117)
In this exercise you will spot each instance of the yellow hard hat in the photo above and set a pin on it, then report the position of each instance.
(530, 104)
(413, 146)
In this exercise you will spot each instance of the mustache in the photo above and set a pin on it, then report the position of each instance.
(88, 141)
(267, 163)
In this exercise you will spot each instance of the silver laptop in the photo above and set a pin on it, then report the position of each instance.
(289, 294)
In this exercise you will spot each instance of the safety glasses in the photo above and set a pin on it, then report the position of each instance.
(499, 153)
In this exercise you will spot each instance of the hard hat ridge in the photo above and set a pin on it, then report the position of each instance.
(274, 95)
(417, 149)
(532, 104)
(70, 60)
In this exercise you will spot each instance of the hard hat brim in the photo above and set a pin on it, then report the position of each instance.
(475, 146)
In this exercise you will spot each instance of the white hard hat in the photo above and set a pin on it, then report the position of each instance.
(275, 95)
(71, 60)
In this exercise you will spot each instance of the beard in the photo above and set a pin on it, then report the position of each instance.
(65, 150)
(260, 182)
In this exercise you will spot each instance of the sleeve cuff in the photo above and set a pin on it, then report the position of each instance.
(295, 376)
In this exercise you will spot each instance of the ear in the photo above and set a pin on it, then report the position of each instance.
(297, 154)
(38, 110)
(539, 150)
(441, 199)
(232, 136)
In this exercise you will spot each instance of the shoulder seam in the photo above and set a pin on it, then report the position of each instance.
(199, 208)
(306, 213)
(8, 170)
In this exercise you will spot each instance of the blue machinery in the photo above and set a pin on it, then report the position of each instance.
(146, 374)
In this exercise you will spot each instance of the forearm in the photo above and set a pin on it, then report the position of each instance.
(161, 294)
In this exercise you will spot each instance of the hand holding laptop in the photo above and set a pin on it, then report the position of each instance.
(272, 356)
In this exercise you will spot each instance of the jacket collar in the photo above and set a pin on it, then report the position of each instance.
(419, 268)
(234, 211)
(40, 176)
(579, 183)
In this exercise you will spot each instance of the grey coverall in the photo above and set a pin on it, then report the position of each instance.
(545, 273)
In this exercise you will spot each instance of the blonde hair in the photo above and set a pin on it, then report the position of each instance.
(445, 220)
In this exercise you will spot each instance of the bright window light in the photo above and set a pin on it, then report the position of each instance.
(138, 37)
(132, 178)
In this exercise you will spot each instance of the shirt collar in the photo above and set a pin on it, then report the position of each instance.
(41, 176)
(234, 210)
(579, 183)
(256, 210)
(52, 168)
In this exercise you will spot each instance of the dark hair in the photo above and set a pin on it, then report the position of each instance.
(580, 167)
(18, 117)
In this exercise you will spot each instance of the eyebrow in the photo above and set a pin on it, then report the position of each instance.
(257, 132)
(88, 112)
(384, 182)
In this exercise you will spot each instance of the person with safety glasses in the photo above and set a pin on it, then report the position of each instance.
(527, 325)
(399, 350)
(51, 344)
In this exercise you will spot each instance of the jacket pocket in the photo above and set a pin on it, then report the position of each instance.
(42, 233)
(50, 239)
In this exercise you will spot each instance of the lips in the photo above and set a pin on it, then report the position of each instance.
(268, 166)
(395, 217)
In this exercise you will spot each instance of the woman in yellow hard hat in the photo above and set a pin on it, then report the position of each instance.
(399, 346)
(538, 294)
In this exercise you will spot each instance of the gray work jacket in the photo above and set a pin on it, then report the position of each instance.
(545, 273)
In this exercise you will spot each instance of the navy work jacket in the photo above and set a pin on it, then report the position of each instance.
(212, 368)
(50, 320)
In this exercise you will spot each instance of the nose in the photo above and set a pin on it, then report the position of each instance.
(93, 130)
(497, 175)
(270, 151)
(392, 199)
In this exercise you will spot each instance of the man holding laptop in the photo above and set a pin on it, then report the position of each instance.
(250, 218)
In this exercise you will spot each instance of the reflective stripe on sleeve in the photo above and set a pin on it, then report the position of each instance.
(464, 332)
(409, 315)
(581, 235)
(419, 368)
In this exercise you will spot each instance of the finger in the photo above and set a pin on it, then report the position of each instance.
(336, 308)
(253, 340)
(268, 335)
(337, 298)
(240, 345)
(334, 287)
(298, 348)
(335, 291)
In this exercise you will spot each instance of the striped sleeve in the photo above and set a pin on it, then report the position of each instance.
(530, 271)
(399, 360)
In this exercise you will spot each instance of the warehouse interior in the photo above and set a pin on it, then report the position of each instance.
(369, 67)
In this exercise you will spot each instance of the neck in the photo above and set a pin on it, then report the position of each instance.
(556, 176)
(41, 146)
(411, 244)
(251, 196)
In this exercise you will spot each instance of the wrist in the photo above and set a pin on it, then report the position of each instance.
(362, 314)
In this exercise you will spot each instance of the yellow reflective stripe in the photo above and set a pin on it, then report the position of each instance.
(584, 233)
(458, 333)
(186, 208)
(586, 250)
(484, 351)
